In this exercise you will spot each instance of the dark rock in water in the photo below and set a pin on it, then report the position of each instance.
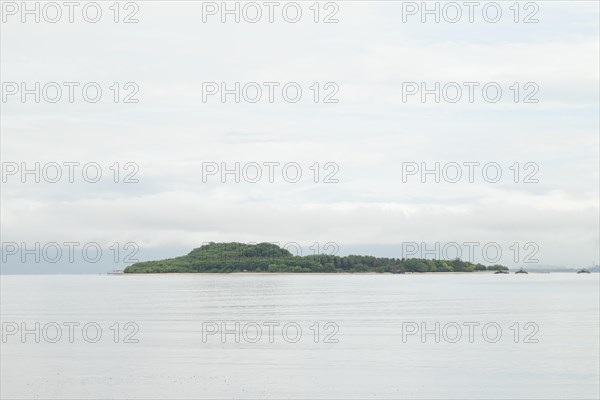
(583, 271)
(521, 271)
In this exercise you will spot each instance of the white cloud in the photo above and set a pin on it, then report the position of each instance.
(369, 133)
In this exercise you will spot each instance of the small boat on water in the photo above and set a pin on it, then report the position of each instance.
(521, 271)
(501, 272)
(583, 271)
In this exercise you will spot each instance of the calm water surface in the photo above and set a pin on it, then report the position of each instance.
(548, 347)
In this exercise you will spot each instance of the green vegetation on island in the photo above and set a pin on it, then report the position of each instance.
(268, 257)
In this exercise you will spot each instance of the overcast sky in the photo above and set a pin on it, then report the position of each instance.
(368, 134)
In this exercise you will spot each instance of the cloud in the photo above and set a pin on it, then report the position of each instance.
(369, 134)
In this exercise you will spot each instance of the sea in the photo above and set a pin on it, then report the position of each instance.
(300, 336)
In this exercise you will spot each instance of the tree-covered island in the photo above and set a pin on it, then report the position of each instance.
(268, 257)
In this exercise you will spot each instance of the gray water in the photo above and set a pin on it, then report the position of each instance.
(361, 353)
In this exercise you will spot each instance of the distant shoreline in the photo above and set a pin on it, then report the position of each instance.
(310, 273)
(342, 273)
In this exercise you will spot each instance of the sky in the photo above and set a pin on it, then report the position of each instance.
(171, 135)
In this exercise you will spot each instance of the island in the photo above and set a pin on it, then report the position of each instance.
(268, 257)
